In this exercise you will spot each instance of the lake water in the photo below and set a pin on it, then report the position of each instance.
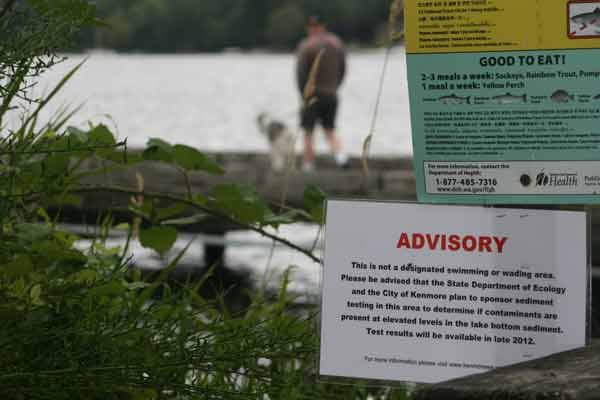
(211, 101)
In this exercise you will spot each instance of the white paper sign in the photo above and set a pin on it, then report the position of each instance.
(429, 293)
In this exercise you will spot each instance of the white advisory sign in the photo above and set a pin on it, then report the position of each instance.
(427, 293)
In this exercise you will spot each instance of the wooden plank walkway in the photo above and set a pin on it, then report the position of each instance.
(389, 179)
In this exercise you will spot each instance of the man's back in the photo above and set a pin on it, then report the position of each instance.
(332, 67)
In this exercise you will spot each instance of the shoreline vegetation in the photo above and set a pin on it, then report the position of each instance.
(191, 26)
(351, 48)
(82, 323)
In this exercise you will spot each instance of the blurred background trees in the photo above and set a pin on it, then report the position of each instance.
(209, 25)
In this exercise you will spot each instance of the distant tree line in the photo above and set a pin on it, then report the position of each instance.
(213, 25)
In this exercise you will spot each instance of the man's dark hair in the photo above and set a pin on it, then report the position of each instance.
(314, 20)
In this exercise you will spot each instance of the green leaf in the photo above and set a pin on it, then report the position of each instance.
(56, 165)
(109, 290)
(56, 252)
(56, 143)
(159, 239)
(314, 200)
(35, 295)
(241, 202)
(137, 285)
(183, 156)
(44, 215)
(156, 142)
(200, 199)
(191, 159)
(65, 238)
(67, 199)
(101, 136)
(33, 232)
(85, 277)
(169, 212)
(123, 226)
(21, 266)
(76, 135)
(158, 150)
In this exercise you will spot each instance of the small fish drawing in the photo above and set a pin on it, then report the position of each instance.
(596, 97)
(509, 99)
(454, 99)
(589, 18)
(561, 96)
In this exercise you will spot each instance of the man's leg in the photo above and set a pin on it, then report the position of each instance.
(309, 151)
(328, 117)
(308, 117)
(335, 144)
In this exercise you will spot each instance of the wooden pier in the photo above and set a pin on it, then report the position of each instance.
(388, 179)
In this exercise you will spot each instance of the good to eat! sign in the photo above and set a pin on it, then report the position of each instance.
(505, 106)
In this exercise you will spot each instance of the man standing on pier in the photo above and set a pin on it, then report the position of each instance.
(320, 70)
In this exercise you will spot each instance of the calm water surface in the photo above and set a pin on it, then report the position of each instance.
(211, 101)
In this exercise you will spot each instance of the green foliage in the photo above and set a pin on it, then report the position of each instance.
(160, 239)
(314, 200)
(241, 203)
(103, 339)
(186, 157)
(79, 323)
(209, 25)
(191, 159)
(31, 31)
(285, 25)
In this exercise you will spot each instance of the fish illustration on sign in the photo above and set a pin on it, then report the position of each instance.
(589, 18)
(561, 96)
(509, 99)
(596, 97)
(454, 99)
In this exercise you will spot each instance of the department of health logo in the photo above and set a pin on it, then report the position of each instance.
(593, 180)
(551, 179)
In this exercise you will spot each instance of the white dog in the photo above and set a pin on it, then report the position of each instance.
(281, 139)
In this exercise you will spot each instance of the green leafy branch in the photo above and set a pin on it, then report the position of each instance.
(288, 218)
(53, 178)
(77, 321)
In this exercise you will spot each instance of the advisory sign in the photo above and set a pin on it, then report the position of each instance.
(428, 293)
(505, 100)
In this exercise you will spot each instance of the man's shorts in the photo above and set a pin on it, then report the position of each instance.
(322, 109)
